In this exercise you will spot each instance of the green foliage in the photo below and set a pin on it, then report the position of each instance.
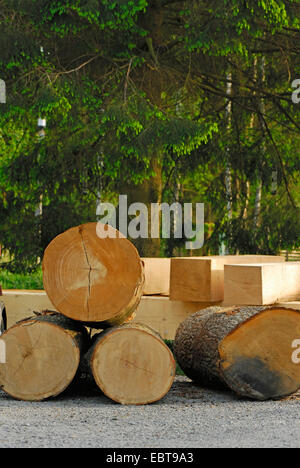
(124, 83)
(233, 24)
(33, 281)
(170, 344)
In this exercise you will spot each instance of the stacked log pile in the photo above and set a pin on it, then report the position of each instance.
(93, 283)
(232, 318)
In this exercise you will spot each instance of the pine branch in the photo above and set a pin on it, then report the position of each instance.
(149, 42)
(269, 133)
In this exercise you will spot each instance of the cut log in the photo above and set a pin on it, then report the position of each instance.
(157, 276)
(201, 279)
(42, 356)
(131, 364)
(262, 284)
(248, 349)
(97, 281)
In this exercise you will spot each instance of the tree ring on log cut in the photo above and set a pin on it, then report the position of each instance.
(42, 360)
(97, 281)
(132, 365)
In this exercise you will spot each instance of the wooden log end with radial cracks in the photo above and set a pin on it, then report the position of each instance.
(93, 275)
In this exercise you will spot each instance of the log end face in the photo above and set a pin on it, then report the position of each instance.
(133, 366)
(253, 378)
(257, 358)
(41, 360)
(92, 279)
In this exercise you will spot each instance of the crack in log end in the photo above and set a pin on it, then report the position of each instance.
(89, 271)
(129, 363)
(96, 272)
(252, 377)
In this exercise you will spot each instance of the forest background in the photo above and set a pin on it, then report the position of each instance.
(188, 101)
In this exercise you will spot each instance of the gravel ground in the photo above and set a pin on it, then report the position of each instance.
(188, 417)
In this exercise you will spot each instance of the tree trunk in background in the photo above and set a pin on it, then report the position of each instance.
(247, 192)
(228, 173)
(150, 191)
(258, 198)
(228, 180)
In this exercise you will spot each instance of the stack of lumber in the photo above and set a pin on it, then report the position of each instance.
(173, 290)
(201, 279)
(227, 315)
(248, 343)
(94, 284)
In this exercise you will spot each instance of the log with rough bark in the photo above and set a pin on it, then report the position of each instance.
(42, 356)
(131, 364)
(248, 349)
(95, 280)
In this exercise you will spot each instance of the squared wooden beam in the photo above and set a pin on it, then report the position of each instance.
(158, 312)
(157, 276)
(290, 305)
(201, 279)
(262, 284)
(165, 315)
(21, 304)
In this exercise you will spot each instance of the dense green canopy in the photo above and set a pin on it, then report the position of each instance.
(173, 100)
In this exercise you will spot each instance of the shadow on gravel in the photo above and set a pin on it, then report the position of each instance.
(83, 387)
(183, 391)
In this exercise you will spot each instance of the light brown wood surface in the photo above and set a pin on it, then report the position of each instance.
(201, 279)
(165, 315)
(158, 312)
(157, 276)
(262, 284)
(132, 365)
(290, 305)
(21, 304)
(91, 279)
(42, 357)
(256, 359)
